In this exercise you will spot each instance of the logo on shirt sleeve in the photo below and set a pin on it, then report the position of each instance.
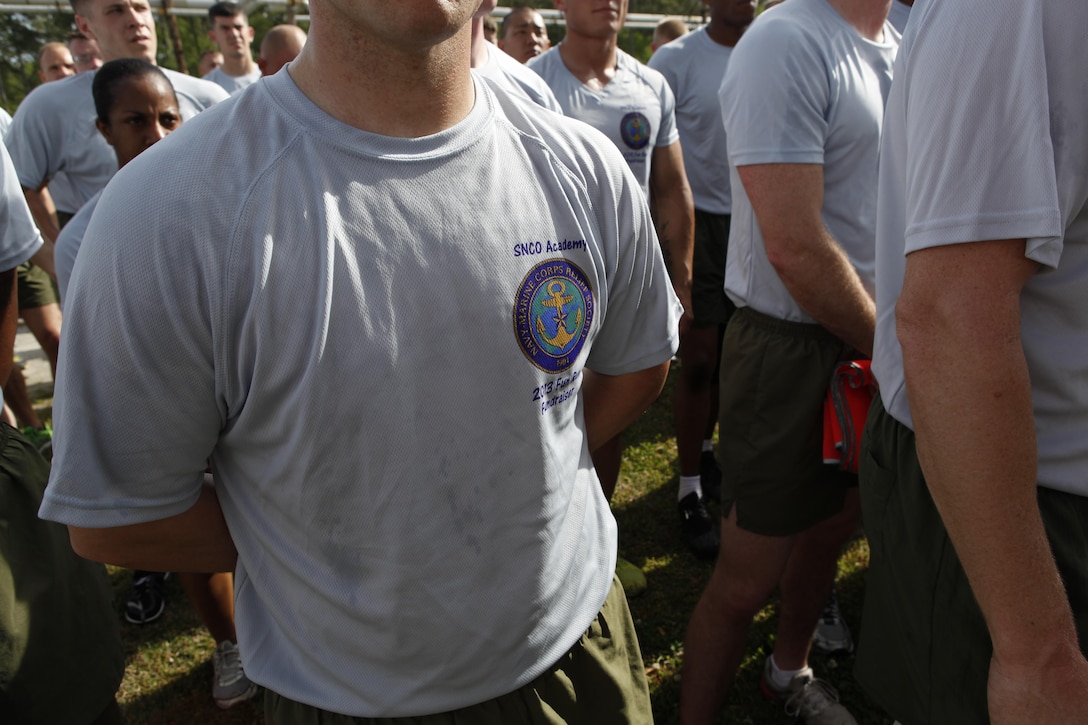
(635, 130)
(553, 314)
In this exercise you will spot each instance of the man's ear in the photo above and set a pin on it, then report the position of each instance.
(85, 27)
(251, 33)
(211, 37)
(104, 130)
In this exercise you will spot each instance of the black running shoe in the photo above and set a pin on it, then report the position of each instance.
(145, 601)
(699, 528)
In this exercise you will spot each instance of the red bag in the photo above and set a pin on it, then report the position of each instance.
(845, 409)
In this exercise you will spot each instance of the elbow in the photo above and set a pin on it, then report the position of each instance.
(94, 545)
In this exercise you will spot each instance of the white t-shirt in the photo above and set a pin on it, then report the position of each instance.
(386, 382)
(19, 236)
(513, 77)
(694, 66)
(68, 242)
(232, 84)
(803, 87)
(1009, 163)
(5, 122)
(636, 109)
(54, 130)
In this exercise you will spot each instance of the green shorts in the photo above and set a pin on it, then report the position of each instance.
(771, 424)
(924, 650)
(36, 288)
(710, 305)
(601, 680)
(60, 646)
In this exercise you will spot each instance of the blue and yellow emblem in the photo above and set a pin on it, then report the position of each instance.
(635, 130)
(553, 313)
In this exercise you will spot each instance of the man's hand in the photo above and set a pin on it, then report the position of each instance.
(674, 217)
(788, 200)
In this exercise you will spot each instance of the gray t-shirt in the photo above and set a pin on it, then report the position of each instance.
(694, 66)
(635, 110)
(19, 236)
(513, 77)
(387, 383)
(68, 243)
(232, 84)
(1009, 163)
(54, 130)
(803, 87)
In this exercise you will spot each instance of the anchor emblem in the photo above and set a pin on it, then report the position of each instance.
(558, 301)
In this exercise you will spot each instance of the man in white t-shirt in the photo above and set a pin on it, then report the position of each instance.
(603, 86)
(55, 62)
(802, 100)
(354, 285)
(279, 46)
(53, 129)
(694, 65)
(981, 436)
(524, 35)
(507, 73)
(232, 34)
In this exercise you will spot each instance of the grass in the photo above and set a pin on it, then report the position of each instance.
(168, 679)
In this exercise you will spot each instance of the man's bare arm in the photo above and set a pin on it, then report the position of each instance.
(958, 321)
(194, 541)
(612, 402)
(674, 217)
(788, 199)
(45, 216)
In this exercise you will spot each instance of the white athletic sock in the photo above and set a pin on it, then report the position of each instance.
(688, 484)
(781, 679)
(708, 445)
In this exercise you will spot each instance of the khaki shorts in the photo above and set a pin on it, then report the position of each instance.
(710, 305)
(600, 681)
(773, 387)
(924, 650)
(60, 645)
(36, 288)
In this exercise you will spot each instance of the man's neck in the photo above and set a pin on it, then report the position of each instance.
(723, 33)
(867, 16)
(238, 66)
(590, 60)
(367, 84)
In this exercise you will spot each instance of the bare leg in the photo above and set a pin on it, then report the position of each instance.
(693, 396)
(45, 322)
(748, 569)
(606, 460)
(807, 581)
(212, 596)
(17, 396)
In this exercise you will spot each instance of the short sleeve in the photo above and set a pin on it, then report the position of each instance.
(136, 412)
(19, 237)
(640, 327)
(775, 96)
(31, 141)
(989, 172)
(669, 133)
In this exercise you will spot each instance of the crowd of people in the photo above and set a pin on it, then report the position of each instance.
(833, 181)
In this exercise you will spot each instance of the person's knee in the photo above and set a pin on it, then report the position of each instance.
(699, 359)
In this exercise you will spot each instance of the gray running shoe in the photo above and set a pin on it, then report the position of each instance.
(832, 635)
(230, 685)
(812, 700)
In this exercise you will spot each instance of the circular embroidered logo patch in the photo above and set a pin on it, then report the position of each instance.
(552, 314)
(635, 130)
